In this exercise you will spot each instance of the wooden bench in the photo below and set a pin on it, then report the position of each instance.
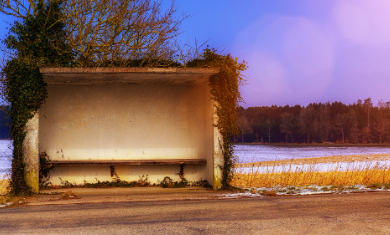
(144, 162)
(132, 162)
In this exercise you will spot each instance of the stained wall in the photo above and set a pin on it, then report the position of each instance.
(111, 121)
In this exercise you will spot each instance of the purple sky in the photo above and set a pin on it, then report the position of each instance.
(298, 51)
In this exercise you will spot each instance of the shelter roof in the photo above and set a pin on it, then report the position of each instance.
(133, 75)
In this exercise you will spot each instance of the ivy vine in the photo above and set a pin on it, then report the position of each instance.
(36, 41)
(225, 91)
(39, 40)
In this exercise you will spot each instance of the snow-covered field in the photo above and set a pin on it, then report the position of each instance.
(256, 153)
(5, 157)
(320, 167)
(259, 153)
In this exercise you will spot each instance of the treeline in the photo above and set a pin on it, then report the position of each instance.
(4, 124)
(360, 122)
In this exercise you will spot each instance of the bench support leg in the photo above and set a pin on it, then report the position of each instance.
(31, 153)
(112, 170)
(181, 173)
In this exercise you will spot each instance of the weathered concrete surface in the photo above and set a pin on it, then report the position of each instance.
(31, 153)
(115, 195)
(360, 213)
(218, 154)
(127, 75)
(129, 114)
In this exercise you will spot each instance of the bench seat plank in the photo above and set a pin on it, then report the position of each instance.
(132, 162)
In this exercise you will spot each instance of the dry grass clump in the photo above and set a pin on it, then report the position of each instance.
(317, 160)
(3, 191)
(365, 174)
(4, 187)
(3, 200)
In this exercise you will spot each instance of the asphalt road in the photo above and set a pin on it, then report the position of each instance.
(359, 213)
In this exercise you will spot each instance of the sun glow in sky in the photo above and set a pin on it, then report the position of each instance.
(299, 51)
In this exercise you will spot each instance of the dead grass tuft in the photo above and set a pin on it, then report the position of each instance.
(318, 160)
(366, 173)
(4, 187)
(69, 195)
(269, 193)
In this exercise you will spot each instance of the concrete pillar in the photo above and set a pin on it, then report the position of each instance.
(31, 153)
(218, 155)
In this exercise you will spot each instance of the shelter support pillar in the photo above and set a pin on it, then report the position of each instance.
(218, 155)
(31, 153)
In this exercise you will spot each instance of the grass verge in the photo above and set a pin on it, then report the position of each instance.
(4, 197)
(4, 187)
(285, 174)
(318, 160)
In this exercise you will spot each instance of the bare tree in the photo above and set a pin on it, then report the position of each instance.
(110, 32)
(287, 126)
(306, 118)
(243, 126)
(340, 124)
(20, 8)
(118, 30)
(4, 56)
(382, 119)
(367, 106)
(323, 121)
(269, 123)
(187, 51)
(353, 125)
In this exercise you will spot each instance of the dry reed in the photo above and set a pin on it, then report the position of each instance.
(326, 159)
(3, 191)
(364, 173)
(4, 187)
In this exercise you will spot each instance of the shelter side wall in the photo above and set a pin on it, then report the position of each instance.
(31, 153)
(125, 121)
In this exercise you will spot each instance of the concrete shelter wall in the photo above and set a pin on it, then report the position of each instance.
(31, 153)
(125, 121)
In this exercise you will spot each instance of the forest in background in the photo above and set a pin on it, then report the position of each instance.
(360, 122)
(4, 124)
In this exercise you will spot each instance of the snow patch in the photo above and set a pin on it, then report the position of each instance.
(240, 195)
(315, 189)
(320, 167)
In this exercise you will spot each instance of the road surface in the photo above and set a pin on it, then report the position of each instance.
(359, 213)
